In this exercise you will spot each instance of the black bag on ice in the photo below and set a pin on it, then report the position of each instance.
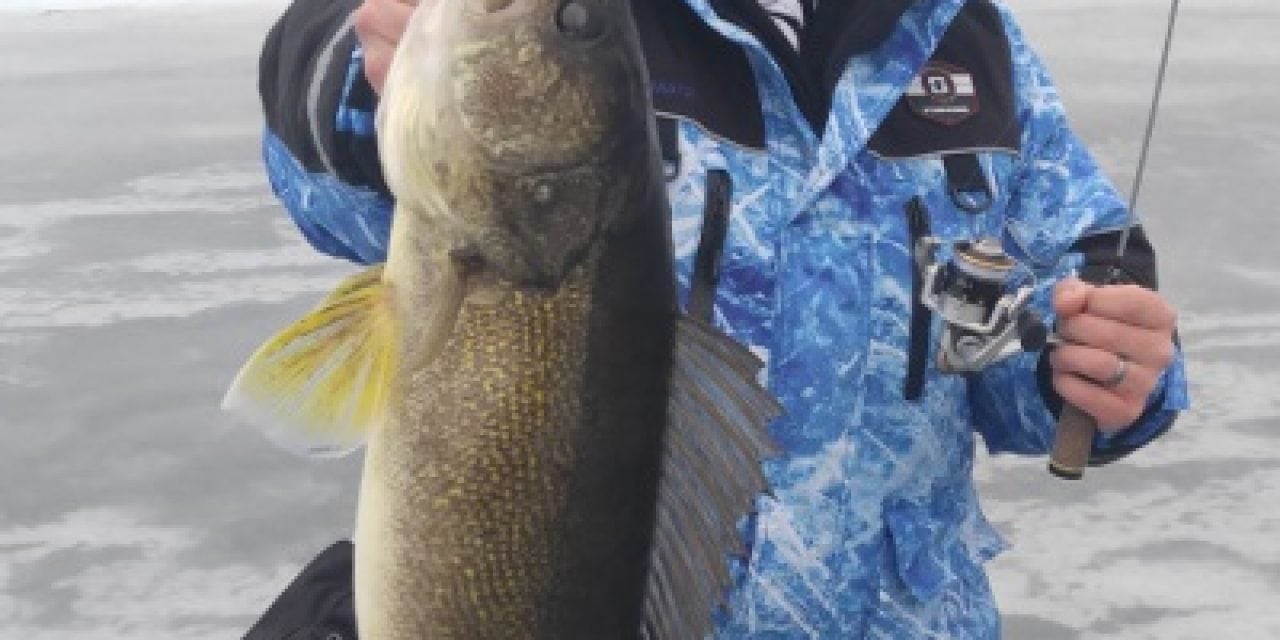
(317, 605)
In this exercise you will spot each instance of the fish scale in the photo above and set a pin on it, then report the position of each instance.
(527, 355)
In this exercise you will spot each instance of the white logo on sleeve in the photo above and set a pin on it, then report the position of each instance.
(943, 93)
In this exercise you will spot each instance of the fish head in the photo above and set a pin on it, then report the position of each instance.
(538, 120)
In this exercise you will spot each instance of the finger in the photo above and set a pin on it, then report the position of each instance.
(1100, 366)
(1071, 297)
(379, 24)
(1112, 412)
(1140, 345)
(1132, 304)
(377, 62)
(382, 20)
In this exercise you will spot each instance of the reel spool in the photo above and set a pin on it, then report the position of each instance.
(983, 321)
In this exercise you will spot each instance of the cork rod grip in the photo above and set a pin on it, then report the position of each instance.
(1072, 444)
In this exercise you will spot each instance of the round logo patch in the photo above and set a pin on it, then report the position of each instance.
(943, 93)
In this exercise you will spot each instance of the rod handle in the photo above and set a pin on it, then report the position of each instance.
(1072, 443)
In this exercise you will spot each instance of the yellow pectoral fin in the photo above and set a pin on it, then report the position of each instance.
(321, 384)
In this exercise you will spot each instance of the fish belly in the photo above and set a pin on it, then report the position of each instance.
(507, 498)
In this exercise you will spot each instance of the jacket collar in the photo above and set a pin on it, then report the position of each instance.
(705, 67)
(835, 34)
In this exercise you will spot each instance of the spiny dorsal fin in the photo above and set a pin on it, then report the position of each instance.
(711, 477)
(319, 385)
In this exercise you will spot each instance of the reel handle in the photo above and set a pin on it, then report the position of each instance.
(1072, 443)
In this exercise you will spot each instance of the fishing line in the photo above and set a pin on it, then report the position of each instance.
(1151, 126)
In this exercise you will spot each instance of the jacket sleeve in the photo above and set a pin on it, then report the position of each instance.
(1065, 218)
(319, 145)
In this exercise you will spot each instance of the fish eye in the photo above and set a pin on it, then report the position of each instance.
(542, 193)
(580, 20)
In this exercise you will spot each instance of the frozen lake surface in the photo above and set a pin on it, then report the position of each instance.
(141, 258)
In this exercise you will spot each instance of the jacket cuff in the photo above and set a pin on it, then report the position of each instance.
(337, 218)
(1166, 401)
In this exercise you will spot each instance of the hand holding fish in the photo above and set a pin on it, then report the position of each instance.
(1118, 341)
(379, 25)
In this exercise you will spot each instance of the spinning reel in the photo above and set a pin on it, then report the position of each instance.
(985, 319)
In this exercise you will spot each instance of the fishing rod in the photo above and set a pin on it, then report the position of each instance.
(985, 310)
(1076, 429)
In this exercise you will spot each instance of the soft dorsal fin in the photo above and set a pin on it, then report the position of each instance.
(319, 385)
(716, 441)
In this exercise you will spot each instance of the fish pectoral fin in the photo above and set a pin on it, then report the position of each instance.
(716, 440)
(322, 383)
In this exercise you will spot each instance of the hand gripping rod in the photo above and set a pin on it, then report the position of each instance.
(1074, 438)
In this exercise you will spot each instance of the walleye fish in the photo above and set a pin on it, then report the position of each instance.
(552, 450)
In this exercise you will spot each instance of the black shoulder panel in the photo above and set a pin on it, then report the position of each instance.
(698, 75)
(963, 100)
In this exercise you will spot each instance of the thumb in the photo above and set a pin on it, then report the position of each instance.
(1071, 297)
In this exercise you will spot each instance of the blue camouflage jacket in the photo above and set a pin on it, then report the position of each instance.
(874, 527)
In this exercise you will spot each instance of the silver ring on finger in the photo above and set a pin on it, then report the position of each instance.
(1117, 376)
